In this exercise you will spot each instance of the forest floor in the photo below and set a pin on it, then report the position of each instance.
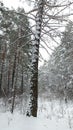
(52, 115)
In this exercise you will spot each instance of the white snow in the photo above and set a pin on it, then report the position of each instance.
(51, 116)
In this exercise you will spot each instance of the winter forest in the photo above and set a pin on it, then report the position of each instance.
(36, 92)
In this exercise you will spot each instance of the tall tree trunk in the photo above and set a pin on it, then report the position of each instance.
(14, 67)
(1, 75)
(22, 80)
(16, 62)
(33, 105)
(9, 73)
(14, 92)
(2, 67)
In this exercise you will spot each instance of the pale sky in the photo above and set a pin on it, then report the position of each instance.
(15, 4)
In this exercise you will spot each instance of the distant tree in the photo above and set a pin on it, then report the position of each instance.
(60, 70)
(15, 39)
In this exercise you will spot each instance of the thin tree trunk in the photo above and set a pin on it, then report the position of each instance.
(2, 67)
(9, 73)
(1, 75)
(14, 67)
(14, 93)
(14, 86)
(34, 67)
(22, 81)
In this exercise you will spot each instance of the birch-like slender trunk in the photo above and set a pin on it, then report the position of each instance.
(33, 106)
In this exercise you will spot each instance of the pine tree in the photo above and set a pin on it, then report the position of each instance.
(47, 21)
(60, 69)
(15, 40)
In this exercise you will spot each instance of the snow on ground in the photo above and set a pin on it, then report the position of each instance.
(52, 115)
(20, 122)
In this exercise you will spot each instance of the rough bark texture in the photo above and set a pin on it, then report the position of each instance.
(34, 68)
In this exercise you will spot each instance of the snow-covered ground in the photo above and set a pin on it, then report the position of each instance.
(52, 115)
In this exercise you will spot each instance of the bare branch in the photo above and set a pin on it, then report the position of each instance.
(47, 44)
(59, 5)
(44, 48)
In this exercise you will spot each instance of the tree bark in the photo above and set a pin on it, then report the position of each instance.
(14, 93)
(22, 80)
(2, 67)
(9, 74)
(33, 105)
(14, 67)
